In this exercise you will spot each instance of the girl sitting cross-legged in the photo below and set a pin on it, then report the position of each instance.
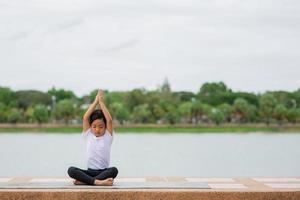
(98, 133)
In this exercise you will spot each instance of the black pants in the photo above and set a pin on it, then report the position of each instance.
(88, 176)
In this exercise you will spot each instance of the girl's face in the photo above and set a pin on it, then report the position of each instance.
(98, 127)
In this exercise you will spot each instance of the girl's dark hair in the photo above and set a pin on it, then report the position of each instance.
(97, 114)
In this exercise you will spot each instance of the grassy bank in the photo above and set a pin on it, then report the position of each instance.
(155, 129)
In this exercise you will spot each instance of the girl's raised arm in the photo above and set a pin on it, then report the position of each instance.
(86, 116)
(105, 111)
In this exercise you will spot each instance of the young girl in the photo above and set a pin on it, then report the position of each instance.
(98, 133)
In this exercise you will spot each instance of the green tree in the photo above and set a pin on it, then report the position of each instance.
(241, 110)
(285, 98)
(6, 95)
(40, 113)
(253, 115)
(217, 116)
(115, 97)
(65, 109)
(213, 93)
(3, 112)
(171, 114)
(293, 115)
(29, 114)
(157, 112)
(280, 113)
(227, 111)
(200, 111)
(251, 98)
(26, 98)
(155, 101)
(119, 112)
(61, 94)
(185, 96)
(141, 113)
(208, 89)
(185, 111)
(267, 105)
(14, 116)
(134, 98)
(296, 97)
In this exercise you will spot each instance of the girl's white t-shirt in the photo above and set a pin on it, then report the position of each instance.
(98, 149)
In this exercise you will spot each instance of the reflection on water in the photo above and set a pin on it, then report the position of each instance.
(251, 154)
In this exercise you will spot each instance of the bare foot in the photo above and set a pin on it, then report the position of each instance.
(76, 182)
(106, 182)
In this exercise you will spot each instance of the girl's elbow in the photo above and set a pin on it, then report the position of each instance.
(85, 117)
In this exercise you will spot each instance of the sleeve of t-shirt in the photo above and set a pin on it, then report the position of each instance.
(111, 135)
(85, 133)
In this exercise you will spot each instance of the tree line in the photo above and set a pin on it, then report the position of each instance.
(213, 103)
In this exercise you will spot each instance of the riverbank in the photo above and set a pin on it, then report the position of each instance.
(150, 128)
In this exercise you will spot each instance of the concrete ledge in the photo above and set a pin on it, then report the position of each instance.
(148, 194)
(221, 189)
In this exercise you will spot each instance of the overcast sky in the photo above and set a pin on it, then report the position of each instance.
(251, 45)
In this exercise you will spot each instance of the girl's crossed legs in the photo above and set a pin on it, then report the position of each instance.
(92, 176)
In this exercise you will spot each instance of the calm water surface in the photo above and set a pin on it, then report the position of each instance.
(205, 155)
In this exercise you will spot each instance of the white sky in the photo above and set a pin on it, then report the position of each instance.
(251, 45)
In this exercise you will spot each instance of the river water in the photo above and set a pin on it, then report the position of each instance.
(153, 154)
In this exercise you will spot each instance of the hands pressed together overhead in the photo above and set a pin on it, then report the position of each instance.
(100, 96)
(99, 99)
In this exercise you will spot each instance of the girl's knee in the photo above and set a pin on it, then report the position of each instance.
(114, 171)
(71, 171)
